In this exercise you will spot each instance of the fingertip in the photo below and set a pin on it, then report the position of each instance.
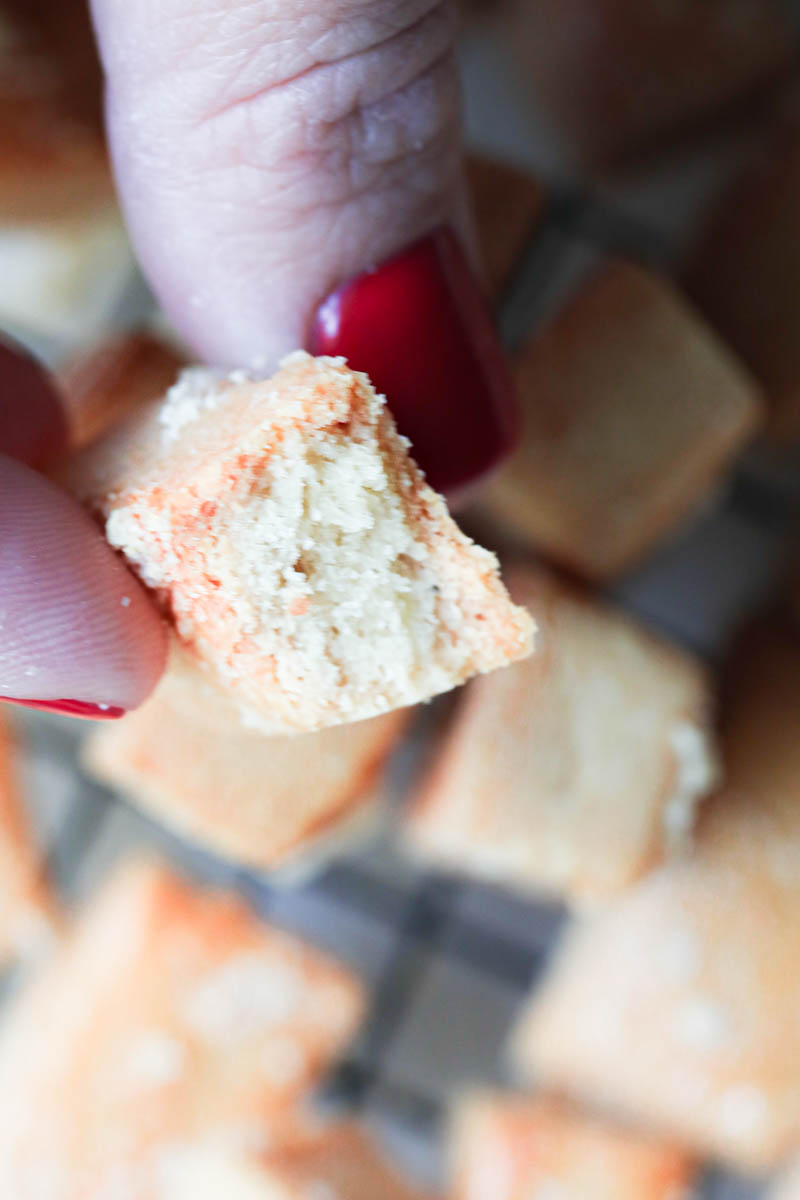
(76, 623)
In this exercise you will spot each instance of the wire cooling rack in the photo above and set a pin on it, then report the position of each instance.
(449, 962)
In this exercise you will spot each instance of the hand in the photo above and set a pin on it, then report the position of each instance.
(269, 155)
(270, 152)
(78, 632)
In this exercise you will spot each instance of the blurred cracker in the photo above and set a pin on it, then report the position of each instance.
(337, 1163)
(103, 385)
(28, 911)
(507, 1147)
(266, 801)
(170, 1016)
(508, 205)
(633, 411)
(744, 274)
(610, 77)
(576, 772)
(678, 1007)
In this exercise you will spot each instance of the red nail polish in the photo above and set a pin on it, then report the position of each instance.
(34, 426)
(72, 708)
(421, 329)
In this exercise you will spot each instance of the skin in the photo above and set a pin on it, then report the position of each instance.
(266, 151)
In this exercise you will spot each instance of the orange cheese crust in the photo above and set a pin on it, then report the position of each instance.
(169, 1016)
(338, 1162)
(28, 911)
(506, 1147)
(316, 592)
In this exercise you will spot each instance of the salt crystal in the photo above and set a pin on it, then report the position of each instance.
(155, 1059)
(702, 1025)
(196, 391)
(246, 998)
(697, 771)
(741, 1110)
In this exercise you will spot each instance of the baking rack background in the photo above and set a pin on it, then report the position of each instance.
(449, 962)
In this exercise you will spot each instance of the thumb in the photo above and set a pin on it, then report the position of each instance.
(291, 175)
(78, 634)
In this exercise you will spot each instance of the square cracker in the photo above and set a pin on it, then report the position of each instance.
(610, 76)
(508, 205)
(296, 547)
(335, 1163)
(633, 410)
(53, 159)
(187, 758)
(103, 385)
(744, 275)
(678, 1007)
(507, 1147)
(169, 1015)
(579, 770)
(787, 1187)
(27, 909)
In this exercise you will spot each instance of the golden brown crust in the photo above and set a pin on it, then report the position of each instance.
(579, 770)
(508, 205)
(186, 757)
(53, 160)
(103, 386)
(506, 1147)
(55, 170)
(52, 50)
(633, 410)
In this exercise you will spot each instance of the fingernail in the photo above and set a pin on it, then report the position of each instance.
(420, 327)
(72, 708)
(34, 426)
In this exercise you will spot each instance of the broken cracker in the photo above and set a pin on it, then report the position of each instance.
(296, 548)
